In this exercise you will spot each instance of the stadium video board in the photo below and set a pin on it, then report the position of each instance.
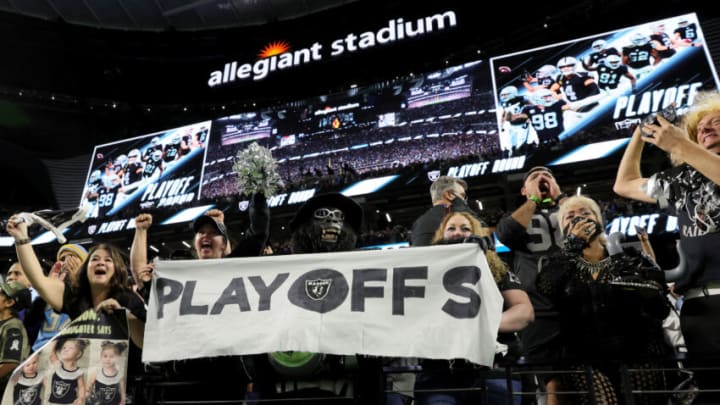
(367, 132)
(156, 170)
(598, 88)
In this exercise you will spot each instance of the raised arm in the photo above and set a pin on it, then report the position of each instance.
(138, 250)
(50, 289)
(629, 181)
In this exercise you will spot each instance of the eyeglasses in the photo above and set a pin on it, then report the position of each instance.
(327, 213)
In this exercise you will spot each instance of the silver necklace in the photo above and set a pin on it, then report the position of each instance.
(593, 267)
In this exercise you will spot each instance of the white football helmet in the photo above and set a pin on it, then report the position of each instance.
(134, 155)
(543, 97)
(599, 44)
(546, 71)
(95, 176)
(508, 93)
(639, 39)
(567, 65)
(612, 61)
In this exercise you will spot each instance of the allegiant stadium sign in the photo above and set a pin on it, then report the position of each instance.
(396, 30)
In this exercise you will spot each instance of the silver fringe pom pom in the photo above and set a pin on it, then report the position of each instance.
(256, 171)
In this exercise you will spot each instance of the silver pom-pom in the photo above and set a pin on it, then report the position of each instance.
(256, 171)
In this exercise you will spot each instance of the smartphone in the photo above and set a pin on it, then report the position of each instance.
(669, 113)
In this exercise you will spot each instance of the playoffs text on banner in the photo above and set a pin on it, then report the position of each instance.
(437, 302)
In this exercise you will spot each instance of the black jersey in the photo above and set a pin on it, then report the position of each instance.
(547, 121)
(688, 33)
(106, 389)
(106, 198)
(28, 390)
(132, 172)
(574, 87)
(172, 151)
(638, 56)
(147, 154)
(663, 39)
(596, 58)
(153, 167)
(609, 78)
(542, 237)
(64, 385)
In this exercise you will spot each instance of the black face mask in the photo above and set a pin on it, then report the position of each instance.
(598, 227)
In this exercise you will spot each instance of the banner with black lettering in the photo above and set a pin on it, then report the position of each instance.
(437, 302)
(85, 363)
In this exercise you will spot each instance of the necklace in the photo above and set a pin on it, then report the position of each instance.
(593, 267)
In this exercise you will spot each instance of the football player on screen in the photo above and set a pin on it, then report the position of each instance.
(578, 88)
(546, 115)
(638, 55)
(662, 43)
(153, 166)
(686, 34)
(516, 130)
(600, 51)
(172, 150)
(155, 144)
(131, 175)
(610, 73)
(95, 183)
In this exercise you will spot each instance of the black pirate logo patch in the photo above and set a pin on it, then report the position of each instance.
(317, 289)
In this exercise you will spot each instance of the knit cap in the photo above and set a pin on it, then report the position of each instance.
(77, 250)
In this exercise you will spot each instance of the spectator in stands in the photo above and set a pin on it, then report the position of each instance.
(448, 194)
(531, 232)
(233, 377)
(14, 345)
(690, 190)
(611, 309)
(43, 322)
(101, 283)
(458, 227)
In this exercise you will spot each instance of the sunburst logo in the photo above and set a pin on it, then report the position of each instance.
(274, 48)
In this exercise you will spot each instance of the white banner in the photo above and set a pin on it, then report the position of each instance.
(438, 302)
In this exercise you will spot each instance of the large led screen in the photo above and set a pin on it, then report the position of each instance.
(157, 170)
(374, 131)
(598, 88)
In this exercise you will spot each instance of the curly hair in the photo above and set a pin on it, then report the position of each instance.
(497, 266)
(706, 102)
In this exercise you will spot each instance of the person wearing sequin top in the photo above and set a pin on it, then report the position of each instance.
(690, 189)
(611, 310)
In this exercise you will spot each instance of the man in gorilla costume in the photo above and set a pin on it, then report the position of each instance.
(328, 223)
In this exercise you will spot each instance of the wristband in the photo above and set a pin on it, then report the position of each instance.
(23, 241)
(535, 199)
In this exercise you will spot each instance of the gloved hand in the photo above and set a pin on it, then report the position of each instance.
(485, 242)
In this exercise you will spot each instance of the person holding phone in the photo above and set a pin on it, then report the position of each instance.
(691, 190)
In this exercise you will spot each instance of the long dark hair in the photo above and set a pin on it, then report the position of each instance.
(81, 297)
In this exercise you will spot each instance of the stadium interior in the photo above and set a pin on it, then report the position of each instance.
(82, 74)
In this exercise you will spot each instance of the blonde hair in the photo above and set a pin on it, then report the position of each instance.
(497, 266)
(706, 102)
(585, 202)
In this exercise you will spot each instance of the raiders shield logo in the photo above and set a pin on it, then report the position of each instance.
(243, 205)
(433, 175)
(317, 289)
(92, 229)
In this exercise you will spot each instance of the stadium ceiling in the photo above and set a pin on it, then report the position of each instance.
(164, 15)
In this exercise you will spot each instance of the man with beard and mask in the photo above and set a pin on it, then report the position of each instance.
(327, 223)
(448, 194)
(531, 231)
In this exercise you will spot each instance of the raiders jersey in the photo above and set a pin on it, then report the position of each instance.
(609, 78)
(638, 56)
(547, 121)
